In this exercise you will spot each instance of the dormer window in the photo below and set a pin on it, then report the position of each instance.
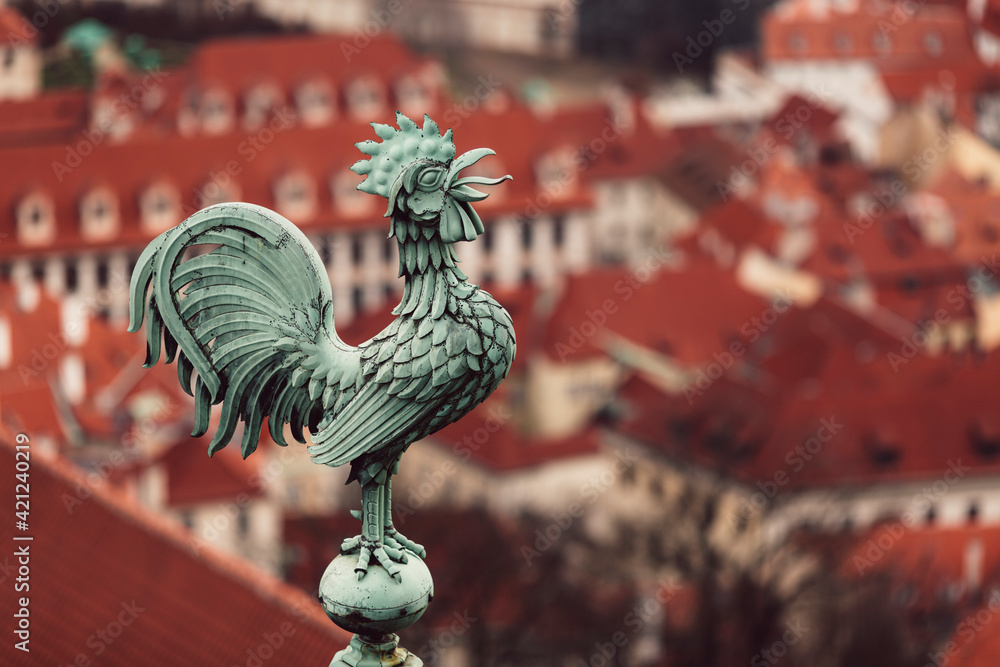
(216, 111)
(159, 208)
(295, 196)
(365, 98)
(36, 220)
(412, 97)
(555, 172)
(933, 43)
(882, 43)
(259, 103)
(346, 197)
(110, 116)
(797, 42)
(99, 215)
(843, 43)
(315, 100)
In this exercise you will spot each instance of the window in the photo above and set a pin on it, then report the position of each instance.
(933, 43)
(295, 196)
(216, 111)
(555, 172)
(357, 250)
(38, 271)
(259, 103)
(412, 97)
(71, 276)
(843, 42)
(365, 98)
(346, 196)
(8, 57)
(559, 230)
(797, 42)
(314, 100)
(243, 522)
(102, 273)
(882, 43)
(99, 215)
(159, 208)
(36, 223)
(110, 116)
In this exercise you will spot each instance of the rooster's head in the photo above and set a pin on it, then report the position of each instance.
(416, 170)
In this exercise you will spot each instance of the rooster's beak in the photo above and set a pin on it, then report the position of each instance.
(459, 221)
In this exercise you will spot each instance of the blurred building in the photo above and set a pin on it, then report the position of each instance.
(753, 321)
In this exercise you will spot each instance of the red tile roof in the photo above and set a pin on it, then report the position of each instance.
(193, 477)
(687, 315)
(15, 26)
(816, 365)
(289, 60)
(191, 604)
(792, 31)
(486, 438)
(54, 117)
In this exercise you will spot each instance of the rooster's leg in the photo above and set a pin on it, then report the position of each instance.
(394, 538)
(371, 542)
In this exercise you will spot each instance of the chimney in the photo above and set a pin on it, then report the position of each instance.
(74, 321)
(73, 378)
(622, 105)
(973, 564)
(6, 353)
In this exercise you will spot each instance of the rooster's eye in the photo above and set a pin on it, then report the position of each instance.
(430, 179)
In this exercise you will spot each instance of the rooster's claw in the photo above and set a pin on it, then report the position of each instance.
(386, 557)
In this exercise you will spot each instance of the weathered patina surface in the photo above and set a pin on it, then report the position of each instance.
(252, 321)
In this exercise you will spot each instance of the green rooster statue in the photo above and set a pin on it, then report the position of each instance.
(253, 320)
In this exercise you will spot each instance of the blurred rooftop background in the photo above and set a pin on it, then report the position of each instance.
(750, 255)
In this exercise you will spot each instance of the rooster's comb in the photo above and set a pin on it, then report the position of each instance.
(398, 149)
